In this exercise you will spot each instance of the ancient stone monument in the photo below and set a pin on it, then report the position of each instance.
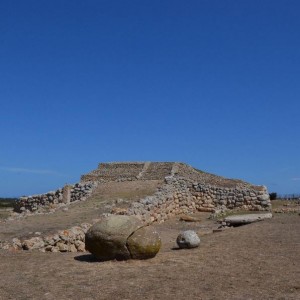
(181, 190)
(184, 189)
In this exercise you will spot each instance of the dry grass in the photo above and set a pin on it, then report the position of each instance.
(257, 261)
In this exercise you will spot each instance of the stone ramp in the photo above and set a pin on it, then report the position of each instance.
(145, 168)
(158, 170)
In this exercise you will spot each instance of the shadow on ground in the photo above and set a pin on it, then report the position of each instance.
(87, 258)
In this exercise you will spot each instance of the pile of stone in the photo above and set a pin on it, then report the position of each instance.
(70, 240)
(52, 199)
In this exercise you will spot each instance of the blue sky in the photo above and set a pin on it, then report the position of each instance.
(214, 84)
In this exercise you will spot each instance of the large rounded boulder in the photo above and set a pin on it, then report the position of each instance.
(116, 237)
(144, 243)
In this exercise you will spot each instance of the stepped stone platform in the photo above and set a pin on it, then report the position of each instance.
(129, 171)
(153, 192)
(184, 189)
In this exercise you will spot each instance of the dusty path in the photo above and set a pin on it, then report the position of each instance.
(77, 213)
(256, 261)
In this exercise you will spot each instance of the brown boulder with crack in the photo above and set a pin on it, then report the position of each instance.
(121, 237)
(144, 243)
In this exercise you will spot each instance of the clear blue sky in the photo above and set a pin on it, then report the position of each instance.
(214, 84)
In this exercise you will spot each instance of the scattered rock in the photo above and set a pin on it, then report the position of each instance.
(16, 244)
(62, 247)
(285, 210)
(188, 218)
(33, 243)
(188, 239)
(119, 211)
(80, 246)
(72, 248)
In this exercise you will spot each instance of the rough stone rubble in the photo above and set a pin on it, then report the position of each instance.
(70, 240)
(53, 199)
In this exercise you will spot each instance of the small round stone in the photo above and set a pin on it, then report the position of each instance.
(188, 239)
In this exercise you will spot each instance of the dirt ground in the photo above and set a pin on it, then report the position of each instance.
(100, 202)
(256, 261)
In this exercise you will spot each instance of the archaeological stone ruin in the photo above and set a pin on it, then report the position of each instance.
(185, 189)
(182, 190)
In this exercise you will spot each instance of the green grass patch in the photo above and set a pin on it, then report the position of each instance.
(7, 202)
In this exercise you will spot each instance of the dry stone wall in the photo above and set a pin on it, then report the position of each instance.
(179, 196)
(186, 189)
(66, 195)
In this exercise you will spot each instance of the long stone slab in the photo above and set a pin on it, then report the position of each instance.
(246, 219)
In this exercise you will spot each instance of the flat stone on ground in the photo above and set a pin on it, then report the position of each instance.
(247, 219)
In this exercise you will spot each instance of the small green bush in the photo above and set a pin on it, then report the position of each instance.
(7, 202)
